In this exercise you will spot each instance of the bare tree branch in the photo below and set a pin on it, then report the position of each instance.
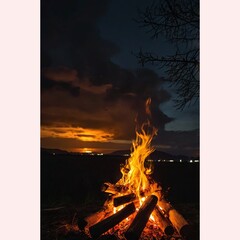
(178, 21)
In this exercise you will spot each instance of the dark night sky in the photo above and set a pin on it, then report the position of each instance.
(92, 86)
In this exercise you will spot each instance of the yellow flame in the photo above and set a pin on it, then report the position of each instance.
(135, 173)
(148, 102)
(152, 218)
(142, 200)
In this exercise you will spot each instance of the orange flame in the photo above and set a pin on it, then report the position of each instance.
(135, 173)
(148, 102)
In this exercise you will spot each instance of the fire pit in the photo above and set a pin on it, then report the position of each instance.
(136, 207)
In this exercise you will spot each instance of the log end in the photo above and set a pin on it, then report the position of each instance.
(169, 230)
(154, 198)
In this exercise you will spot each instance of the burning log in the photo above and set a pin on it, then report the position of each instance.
(176, 219)
(101, 227)
(111, 188)
(141, 219)
(163, 223)
(117, 201)
(97, 216)
(180, 223)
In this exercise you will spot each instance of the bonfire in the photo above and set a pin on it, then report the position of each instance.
(136, 207)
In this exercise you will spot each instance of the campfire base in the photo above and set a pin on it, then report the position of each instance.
(141, 219)
(101, 227)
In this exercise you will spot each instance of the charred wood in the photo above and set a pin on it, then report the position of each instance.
(113, 189)
(117, 201)
(97, 216)
(141, 219)
(101, 227)
(163, 223)
(177, 220)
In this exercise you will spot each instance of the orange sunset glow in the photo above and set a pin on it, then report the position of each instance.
(78, 133)
(89, 100)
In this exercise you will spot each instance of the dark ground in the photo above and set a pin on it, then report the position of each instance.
(71, 185)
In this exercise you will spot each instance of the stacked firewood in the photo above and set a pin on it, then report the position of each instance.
(154, 219)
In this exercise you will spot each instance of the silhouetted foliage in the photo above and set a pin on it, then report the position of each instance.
(178, 21)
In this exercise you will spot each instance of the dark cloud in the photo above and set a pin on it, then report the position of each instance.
(70, 36)
(82, 87)
(59, 74)
(72, 45)
(71, 41)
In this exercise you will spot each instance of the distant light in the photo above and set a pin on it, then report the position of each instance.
(180, 160)
(159, 160)
(87, 151)
(196, 160)
(53, 153)
(127, 155)
(191, 161)
(100, 154)
(171, 160)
